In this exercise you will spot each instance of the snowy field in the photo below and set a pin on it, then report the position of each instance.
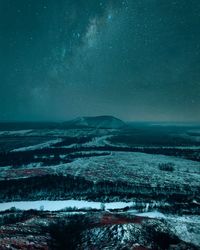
(135, 168)
(59, 205)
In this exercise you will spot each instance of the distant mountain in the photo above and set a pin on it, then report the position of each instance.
(98, 122)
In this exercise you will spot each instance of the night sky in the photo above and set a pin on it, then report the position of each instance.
(138, 60)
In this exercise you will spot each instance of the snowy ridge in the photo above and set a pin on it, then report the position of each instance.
(38, 146)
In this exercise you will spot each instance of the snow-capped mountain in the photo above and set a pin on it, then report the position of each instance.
(98, 122)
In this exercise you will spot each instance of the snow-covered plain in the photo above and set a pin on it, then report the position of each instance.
(134, 167)
(62, 204)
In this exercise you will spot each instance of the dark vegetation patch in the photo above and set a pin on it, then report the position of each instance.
(68, 234)
(8, 143)
(155, 139)
(46, 156)
(159, 237)
(193, 133)
(73, 140)
(169, 167)
(12, 216)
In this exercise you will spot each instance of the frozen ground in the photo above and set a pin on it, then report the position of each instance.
(138, 168)
(135, 168)
(58, 205)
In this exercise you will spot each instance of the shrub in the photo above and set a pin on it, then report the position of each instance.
(166, 166)
(68, 234)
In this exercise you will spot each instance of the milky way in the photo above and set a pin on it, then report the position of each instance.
(137, 60)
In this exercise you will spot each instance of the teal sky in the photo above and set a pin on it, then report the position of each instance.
(137, 60)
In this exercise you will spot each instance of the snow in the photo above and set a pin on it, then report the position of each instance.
(135, 168)
(17, 132)
(153, 214)
(38, 146)
(118, 205)
(98, 141)
(186, 227)
(61, 204)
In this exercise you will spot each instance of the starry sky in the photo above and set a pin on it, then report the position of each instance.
(138, 60)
